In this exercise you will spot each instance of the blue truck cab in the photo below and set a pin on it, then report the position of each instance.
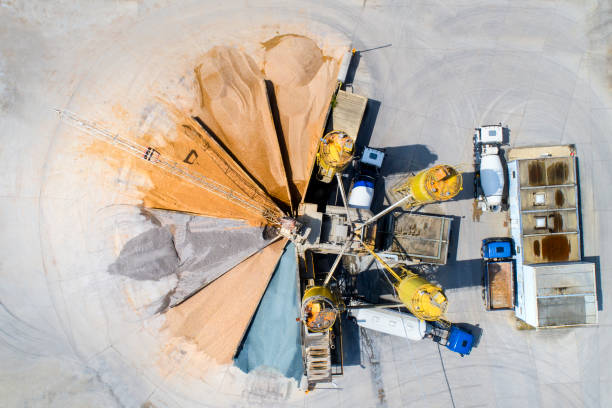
(496, 248)
(459, 341)
(451, 336)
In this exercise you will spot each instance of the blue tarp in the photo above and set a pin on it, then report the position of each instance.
(273, 340)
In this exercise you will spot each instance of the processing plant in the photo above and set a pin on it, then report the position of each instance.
(293, 203)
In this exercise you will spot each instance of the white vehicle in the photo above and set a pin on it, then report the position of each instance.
(487, 141)
(409, 327)
(391, 322)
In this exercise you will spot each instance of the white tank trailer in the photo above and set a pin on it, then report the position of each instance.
(405, 325)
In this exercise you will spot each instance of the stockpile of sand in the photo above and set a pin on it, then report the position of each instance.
(304, 80)
(236, 144)
(234, 105)
(193, 149)
(234, 108)
(216, 318)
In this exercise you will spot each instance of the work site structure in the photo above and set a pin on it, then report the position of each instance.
(438, 183)
(335, 153)
(352, 231)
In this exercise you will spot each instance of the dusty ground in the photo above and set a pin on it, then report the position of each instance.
(73, 334)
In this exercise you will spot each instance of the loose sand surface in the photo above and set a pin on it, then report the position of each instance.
(193, 149)
(234, 141)
(304, 79)
(235, 106)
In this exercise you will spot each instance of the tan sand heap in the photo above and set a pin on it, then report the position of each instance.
(304, 81)
(216, 318)
(234, 105)
(233, 140)
(193, 149)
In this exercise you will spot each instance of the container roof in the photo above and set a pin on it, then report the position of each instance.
(565, 294)
(544, 207)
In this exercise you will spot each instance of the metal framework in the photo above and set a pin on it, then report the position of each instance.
(151, 155)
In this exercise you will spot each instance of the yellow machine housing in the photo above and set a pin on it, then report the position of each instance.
(335, 153)
(438, 183)
(424, 300)
(319, 308)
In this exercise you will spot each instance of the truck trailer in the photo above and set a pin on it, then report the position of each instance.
(498, 273)
(405, 325)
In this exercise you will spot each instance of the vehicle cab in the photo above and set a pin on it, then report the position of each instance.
(496, 248)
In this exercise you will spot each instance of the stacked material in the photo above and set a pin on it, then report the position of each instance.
(216, 318)
(253, 128)
(234, 106)
(304, 80)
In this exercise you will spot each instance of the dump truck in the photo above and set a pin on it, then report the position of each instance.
(498, 273)
(490, 177)
(401, 324)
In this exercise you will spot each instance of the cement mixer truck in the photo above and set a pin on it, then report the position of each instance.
(490, 178)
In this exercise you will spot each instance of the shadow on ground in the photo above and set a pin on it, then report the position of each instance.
(467, 193)
(406, 159)
(351, 341)
(595, 260)
(367, 124)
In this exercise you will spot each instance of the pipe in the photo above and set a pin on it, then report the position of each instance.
(379, 306)
(337, 261)
(387, 210)
(343, 194)
(383, 263)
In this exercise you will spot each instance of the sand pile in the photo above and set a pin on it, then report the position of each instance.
(191, 147)
(215, 319)
(234, 105)
(195, 150)
(304, 80)
(236, 143)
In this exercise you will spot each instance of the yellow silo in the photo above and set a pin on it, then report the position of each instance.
(424, 300)
(319, 308)
(335, 153)
(438, 183)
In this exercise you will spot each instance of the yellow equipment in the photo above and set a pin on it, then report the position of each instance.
(438, 183)
(423, 299)
(319, 308)
(335, 153)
